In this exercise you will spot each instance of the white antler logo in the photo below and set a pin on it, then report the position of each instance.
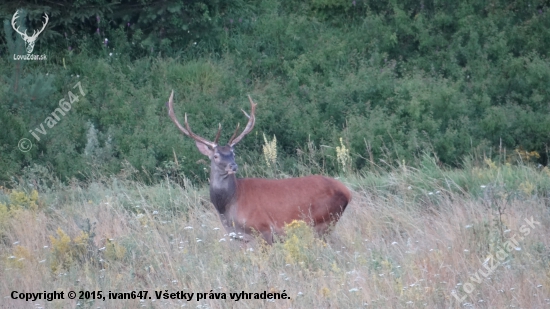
(29, 40)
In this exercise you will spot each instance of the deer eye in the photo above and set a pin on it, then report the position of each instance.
(216, 156)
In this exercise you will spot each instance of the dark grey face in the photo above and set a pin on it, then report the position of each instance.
(223, 161)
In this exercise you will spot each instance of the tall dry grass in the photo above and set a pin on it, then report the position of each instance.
(410, 239)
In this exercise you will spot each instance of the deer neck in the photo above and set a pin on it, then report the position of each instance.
(223, 191)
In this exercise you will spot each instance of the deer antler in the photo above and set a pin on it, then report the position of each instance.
(232, 141)
(15, 16)
(25, 35)
(251, 120)
(43, 27)
(187, 131)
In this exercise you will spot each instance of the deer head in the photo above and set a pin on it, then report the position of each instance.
(222, 158)
(29, 40)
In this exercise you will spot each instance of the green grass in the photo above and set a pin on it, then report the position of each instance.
(408, 239)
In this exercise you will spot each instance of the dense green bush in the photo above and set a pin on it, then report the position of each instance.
(395, 79)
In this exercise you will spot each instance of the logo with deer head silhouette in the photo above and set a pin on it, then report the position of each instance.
(29, 39)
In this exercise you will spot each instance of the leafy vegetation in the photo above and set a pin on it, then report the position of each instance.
(392, 79)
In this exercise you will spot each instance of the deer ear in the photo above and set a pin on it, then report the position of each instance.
(204, 149)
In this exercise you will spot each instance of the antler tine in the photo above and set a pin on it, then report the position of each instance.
(183, 130)
(172, 115)
(234, 133)
(249, 125)
(218, 134)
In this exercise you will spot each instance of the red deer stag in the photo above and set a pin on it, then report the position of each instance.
(264, 205)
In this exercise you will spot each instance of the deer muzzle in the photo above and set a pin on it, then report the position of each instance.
(231, 168)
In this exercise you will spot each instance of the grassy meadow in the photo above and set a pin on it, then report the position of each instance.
(411, 104)
(411, 238)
